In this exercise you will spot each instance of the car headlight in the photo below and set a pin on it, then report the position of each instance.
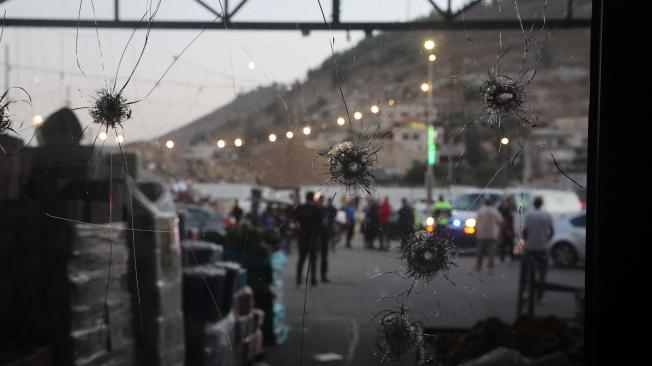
(470, 223)
(430, 221)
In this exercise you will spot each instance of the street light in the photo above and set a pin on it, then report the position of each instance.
(221, 144)
(102, 136)
(429, 44)
(504, 141)
(120, 139)
(425, 87)
(391, 102)
(289, 134)
(357, 115)
(272, 137)
(169, 144)
(374, 109)
(37, 120)
(432, 58)
(238, 142)
(306, 130)
(341, 121)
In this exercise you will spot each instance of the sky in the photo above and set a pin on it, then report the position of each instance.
(208, 75)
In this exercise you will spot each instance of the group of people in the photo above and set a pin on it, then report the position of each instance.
(377, 223)
(495, 228)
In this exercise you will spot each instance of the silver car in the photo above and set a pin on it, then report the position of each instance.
(568, 245)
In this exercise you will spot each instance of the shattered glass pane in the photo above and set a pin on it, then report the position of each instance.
(293, 182)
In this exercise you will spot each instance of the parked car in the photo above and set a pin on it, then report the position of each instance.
(556, 202)
(568, 245)
(207, 223)
(461, 226)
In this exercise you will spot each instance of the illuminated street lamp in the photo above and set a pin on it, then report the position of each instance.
(289, 134)
(504, 141)
(432, 58)
(357, 115)
(391, 102)
(272, 137)
(102, 136)
(238, 142)
(425, 87)
(374, 109)
(221, 144)
(37, 120)
(341, 121)
(306, 130)
(169, 144)
(429, 44)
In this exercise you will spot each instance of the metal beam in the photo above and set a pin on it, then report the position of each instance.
(301, 26)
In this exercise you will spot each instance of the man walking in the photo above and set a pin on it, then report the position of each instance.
(405, 221)
(326, 232)
(537, 231)
(384, 213)
(488, 225)
(371, 223)
(507, 243)
(350, 210)
(308, 215)
(236, 212)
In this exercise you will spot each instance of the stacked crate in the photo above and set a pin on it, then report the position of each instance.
(155, 277)
(62, 296)
(265, 278)
(222, 326)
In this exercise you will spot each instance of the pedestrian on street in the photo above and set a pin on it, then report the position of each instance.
(308, 215)
(507, 243)
(371, 223)
(537, 231)
(236, 212)
(442, 211)
(405, 221)
(488, 225)
(384, 213)
(326, 233)
(350, 209)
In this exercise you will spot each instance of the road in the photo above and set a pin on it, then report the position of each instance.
(339, 316)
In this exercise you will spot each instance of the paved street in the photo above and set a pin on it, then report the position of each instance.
(338, 315)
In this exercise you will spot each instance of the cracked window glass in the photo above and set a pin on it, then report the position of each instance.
(245, 182)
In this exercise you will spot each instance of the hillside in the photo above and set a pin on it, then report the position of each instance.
(392, 65)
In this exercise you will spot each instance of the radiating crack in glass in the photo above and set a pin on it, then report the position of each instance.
(397, 336)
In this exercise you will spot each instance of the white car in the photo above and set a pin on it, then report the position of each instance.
(568, 246)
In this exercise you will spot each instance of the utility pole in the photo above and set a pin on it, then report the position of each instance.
(7, 71)
(429, 45)
(430, 121)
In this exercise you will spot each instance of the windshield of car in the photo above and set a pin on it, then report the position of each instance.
(472, 201)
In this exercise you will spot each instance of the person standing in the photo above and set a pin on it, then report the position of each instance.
(236, 212)
(308, 215)
(350, 210)
(326, 233)
(488, 225)
(507, 243)
(384, 214)
(538, 229)
(442, 211)
(405, 221)
(371, 222)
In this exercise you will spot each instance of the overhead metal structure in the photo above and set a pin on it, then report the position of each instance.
(449, 20)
